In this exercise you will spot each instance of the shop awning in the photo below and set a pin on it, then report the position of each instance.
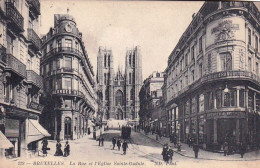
(4, 142)
(36, 131)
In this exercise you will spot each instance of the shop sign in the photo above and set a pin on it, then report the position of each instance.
(226, 114)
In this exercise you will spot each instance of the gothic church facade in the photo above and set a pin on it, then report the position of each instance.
(118, 91)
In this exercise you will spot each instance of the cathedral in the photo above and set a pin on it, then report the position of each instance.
(119, 91)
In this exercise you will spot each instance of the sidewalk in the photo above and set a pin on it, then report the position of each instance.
(205, 155)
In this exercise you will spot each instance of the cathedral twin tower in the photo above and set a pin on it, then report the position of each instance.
(119, 92)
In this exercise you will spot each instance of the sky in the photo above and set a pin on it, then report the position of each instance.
(156, 26)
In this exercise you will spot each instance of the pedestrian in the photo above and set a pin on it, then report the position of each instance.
(114, 142)
(196, 150)
(67, 149)
(191, 142)
(164, 153)
(242, 149)
(118, 143)
(102, 140)
(170, 154)
(124, 146)
(44, 146)
(188, 141)
(58, 149)
(225, 147)
(99, 141)
(175, 140)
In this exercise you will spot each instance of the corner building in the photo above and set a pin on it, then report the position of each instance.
(119, 91)
(69, 84)
(21, 84)
(212, 86)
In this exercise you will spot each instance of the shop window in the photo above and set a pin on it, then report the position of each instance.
(230, 98)
(219, 98)
(251, 99)
(241, 97)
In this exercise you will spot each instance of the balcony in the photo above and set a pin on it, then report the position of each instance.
(236, 75)
(15, 65)
(16, 20)
(68, 92)
(34, 78)
(67, 50)
(2, 54)
(34, 39)
(35, 6)
(35, 106)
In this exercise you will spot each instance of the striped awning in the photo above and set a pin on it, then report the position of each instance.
(4, 142)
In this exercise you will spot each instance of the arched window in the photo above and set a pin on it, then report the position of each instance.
(119, 98)
(157, 74)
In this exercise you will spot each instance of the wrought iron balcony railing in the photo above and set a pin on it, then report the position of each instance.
(34, 38)
(16, 19)
(15, 65)
(35, 6)
(34, 78)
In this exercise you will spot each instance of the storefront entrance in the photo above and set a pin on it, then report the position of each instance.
(67, 128)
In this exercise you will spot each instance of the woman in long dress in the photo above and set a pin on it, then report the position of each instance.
(58, 149)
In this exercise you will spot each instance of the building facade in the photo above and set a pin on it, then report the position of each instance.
(21, 83)
(69, 85)
(119, 91)
(151, 108)
(212, 87)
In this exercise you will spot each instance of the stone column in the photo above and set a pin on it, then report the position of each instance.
(237, 105)
(62, 127)
(237, 130)
(215, 131)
